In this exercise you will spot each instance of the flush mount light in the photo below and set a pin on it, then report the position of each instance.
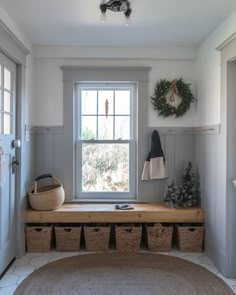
(117, 6)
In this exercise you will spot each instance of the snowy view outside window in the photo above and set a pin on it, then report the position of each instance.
(105, 135)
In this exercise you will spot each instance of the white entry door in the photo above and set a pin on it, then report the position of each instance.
(7, 157)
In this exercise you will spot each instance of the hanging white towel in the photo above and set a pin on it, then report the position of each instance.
(155, 164)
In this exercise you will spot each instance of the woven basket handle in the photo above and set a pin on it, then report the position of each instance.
(67, 230)
(38, 229)
(96, 229)
(43, 176)
(159, 232)
(129, 230)
(35, 183)
(192, 229)
(54, 179)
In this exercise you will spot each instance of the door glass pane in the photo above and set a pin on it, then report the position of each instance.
(105, 127)
(7, 102)
(6, 124)
(104, 95)
(122, 127)
(0, 75)
(105, 167)
(89, 102)
(122, 102)
(88, 127)
(7, 79)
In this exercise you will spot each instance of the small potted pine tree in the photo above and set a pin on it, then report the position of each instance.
(172, 196)
(189, 192)
(187, 195)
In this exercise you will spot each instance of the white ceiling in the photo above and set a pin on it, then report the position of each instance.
(154, 23)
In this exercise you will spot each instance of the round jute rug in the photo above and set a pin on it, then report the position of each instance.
(122, 274)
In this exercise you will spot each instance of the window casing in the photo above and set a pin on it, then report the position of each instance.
(105, 140)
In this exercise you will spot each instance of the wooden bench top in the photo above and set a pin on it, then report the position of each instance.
(85, 213)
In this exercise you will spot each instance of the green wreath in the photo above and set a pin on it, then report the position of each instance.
(175, 87)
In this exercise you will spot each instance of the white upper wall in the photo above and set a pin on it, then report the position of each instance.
(20, 36)
(46, 98)
(208, 66)
(14, 29)
(164, 63)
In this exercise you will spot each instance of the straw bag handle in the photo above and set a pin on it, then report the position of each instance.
(47, 176)
(35, 183)
(43, 176)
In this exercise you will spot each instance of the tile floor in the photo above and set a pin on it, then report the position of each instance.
(31, 261)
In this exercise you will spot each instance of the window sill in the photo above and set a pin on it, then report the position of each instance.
(103, 201)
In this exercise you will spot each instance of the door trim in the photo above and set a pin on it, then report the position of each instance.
(5, 271)
(228, 105)
(231, 171)
(13, 48)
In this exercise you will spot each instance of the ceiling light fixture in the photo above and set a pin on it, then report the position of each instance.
(117, 6)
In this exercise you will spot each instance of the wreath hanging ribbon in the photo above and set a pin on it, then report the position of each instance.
(174, 90)
(175, 87)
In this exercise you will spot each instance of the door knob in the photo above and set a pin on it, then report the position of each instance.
(234, 182)
(16, 143)
(14, 163)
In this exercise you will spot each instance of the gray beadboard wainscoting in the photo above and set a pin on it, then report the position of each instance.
(48, 142)
(210, 168)
(180, 145)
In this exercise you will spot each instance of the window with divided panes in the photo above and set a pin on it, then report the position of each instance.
(105, 140)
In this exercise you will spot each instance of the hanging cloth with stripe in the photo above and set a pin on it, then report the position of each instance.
(155, 164)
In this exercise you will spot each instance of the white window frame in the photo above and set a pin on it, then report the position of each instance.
(79, 194)
(83, 74)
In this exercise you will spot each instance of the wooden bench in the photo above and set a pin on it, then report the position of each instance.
(93, 213)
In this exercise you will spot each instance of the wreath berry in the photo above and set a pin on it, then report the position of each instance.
(175, 87)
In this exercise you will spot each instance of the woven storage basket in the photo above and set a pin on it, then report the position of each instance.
(189, 238)
(38, 238)
(128, 237)
(68, 237)
(49, 197)
(159, 237)
(97, 237)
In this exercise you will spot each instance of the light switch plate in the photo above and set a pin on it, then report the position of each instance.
(27, 133)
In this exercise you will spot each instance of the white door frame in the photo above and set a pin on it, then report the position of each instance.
(228, 96)
(12, 47)
(8, 187)
(231, 167)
